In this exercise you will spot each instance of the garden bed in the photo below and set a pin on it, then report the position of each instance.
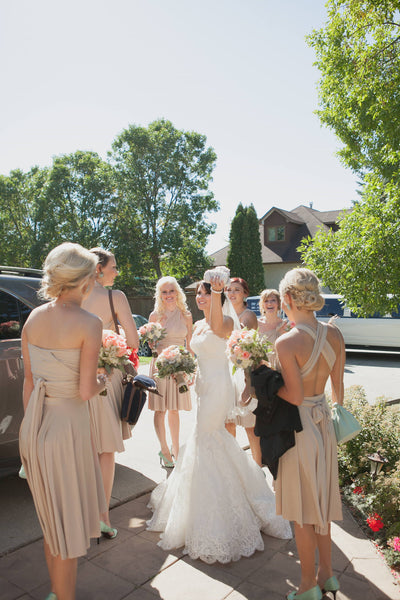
(373, 501)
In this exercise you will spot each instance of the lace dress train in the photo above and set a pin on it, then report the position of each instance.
(216, 501)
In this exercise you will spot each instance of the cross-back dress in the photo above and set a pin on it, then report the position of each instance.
(307, 485)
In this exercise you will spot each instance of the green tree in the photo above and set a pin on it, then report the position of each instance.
(163, 174)
(244, 254)
(78, 202)
(20, 227)
(73, 200)
(359, 59)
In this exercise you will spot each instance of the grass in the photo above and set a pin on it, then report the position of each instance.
(144, 360)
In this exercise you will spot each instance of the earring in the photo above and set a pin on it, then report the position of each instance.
(101, 275)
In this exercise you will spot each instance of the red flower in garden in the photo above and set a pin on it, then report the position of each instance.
(358, 490)
(375, 522)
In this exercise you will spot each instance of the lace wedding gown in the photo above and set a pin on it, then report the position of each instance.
(216, 500)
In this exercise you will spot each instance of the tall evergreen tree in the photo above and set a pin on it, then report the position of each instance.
(244, 255)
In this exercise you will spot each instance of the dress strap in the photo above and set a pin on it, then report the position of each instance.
(321, 346)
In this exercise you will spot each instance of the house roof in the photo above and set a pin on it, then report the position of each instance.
(309, 220)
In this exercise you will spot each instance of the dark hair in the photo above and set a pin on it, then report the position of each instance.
(244, 285)
(207, 287)
(102, 255)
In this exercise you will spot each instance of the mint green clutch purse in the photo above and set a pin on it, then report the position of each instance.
(345, 424)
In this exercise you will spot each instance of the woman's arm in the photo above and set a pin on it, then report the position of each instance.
(221, 325)
(124, 315)
(337, 373)
(89, 383)
(249, 320)
(189, 326)
(28, 378)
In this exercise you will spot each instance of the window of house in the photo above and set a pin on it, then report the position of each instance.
(276, 234)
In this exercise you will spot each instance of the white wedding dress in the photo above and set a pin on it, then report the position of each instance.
(216, 500)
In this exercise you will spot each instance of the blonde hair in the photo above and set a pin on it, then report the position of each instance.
(180, 300)
(304, 287)
(266, 294)
(66, 267)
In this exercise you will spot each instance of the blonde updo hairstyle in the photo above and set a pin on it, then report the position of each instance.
(66, 267)
(304, 288)
(266, 294)
(180, 299)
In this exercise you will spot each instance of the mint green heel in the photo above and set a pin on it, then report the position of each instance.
(164, 461)
(312, 594)
(108, 532)
(51, 596)
(331, 585)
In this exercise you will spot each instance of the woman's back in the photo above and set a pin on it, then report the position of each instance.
(300, 342)
(59, 326)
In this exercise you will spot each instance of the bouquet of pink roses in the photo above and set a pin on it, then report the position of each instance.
(114, 353)
(152, 333)
(246, 349)
(176, 361)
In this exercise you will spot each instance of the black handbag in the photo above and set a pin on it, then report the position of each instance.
(135, 396)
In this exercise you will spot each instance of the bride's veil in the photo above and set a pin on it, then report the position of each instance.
(236, 408)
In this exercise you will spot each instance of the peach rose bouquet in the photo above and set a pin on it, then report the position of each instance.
(176, 362)
(114, 353)
(152, 333)
(246, 349)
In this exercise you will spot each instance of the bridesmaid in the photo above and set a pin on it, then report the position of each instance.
(237, 291)
(108, 429)
(270, 325)
(171, 311)
(307, 485)
(60, 347)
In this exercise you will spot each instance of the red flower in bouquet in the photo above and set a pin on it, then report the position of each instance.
(358, 490)
(375, 522)
(133, 357)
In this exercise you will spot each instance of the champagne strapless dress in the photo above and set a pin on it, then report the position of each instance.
(171, 398)
(58, 455)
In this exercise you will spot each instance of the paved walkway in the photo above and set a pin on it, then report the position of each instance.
(133, 567)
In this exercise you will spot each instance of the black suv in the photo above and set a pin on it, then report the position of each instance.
(18, 296)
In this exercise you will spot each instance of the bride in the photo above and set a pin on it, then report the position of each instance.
(217, 500)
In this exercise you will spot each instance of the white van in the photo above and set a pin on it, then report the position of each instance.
(376, 332)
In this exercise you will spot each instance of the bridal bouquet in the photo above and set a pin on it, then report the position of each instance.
(176, 361)
(114, 353)
(152, 333)
(246, 349)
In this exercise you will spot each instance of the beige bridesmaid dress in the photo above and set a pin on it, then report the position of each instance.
(56, 449)
(171, 398)
(307, 485)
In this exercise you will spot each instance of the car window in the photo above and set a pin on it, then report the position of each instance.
(13, 315)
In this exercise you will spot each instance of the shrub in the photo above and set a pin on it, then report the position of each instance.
(376, 501)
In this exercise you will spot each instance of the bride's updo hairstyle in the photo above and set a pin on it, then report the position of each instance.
(304, 289)
(207, 287)
(66, 267)
(180, 296)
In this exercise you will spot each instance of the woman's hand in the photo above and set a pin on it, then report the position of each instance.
(217, 284)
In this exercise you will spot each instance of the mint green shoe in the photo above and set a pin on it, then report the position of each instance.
(108, 532)
(331, 585)
(312, 594)
(51, 596)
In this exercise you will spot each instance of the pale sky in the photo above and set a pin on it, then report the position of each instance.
(75, 74)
